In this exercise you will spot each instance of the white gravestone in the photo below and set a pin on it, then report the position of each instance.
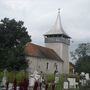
(66, 85)
(35, 76)
(10, 86)
(4, 79)
(87, 76)
(72, 82)
(31, 81)
(82, 74)
(56, 79)
(83, 82)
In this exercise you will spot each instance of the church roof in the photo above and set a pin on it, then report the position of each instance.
(57, 27)
(34, 50)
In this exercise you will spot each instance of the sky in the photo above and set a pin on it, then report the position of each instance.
(40, 15)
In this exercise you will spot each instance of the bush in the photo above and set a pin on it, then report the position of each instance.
(21, 76)
(50, 78)
(59, 85)
(1, 75)
(12, 75)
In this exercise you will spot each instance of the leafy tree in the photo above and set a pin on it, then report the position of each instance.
(83, 65)
(82, 51)
(82, 57)
(13, 37)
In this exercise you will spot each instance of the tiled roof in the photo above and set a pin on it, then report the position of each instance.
(34, 50)
(70, 63)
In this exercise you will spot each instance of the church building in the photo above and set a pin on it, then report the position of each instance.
(54, 57)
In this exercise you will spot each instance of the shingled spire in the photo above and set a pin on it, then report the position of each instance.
(57, 27)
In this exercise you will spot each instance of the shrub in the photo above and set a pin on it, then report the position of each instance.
(50, 78)
(1, 75)
(59, 85)
(12, 75)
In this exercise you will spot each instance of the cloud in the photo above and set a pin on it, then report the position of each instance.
(40, 15)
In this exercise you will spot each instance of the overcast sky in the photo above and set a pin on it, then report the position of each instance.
(40, 15)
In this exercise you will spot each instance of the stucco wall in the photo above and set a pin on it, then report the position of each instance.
(40, 64)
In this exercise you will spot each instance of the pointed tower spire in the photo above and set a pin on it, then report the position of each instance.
(59, 41)
(57, 27)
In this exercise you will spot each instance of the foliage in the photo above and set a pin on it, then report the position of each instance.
(59, 85)
(50, 78)
(82, 57)
(1, 75)
(83, 65)
(18, 75)
(13, 37)
(21, 76)
(82, 50)
(11, 76)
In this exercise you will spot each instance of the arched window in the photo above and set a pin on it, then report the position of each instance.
(56, 66)
(47, 65)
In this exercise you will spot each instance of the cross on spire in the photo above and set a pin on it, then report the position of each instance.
(59, 10)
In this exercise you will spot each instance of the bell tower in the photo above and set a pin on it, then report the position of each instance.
(59, 41)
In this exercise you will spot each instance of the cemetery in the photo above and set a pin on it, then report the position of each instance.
(39, 81)
(16, 81)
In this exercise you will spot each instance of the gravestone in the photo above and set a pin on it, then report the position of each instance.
(10, 86)
(82, 74)
(83, 79)
(31, 81)
(33, 77)
(4, 79)
(56, 79)
(87, 76)
(83, 82)
(72, 82)
(36, 75)
(66, 85)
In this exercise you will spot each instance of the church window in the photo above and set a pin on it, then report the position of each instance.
(47, 66)
(55, 66)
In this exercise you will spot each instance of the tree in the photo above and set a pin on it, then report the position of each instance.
(83, 65)
(13, 37)
(82, 57)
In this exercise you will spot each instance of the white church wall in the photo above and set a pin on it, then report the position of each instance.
(66, 58)
(63, 51)
(40, 64)
(57, 47)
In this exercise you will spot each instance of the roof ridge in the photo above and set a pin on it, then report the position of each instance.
(34, 50)
(41, 46)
